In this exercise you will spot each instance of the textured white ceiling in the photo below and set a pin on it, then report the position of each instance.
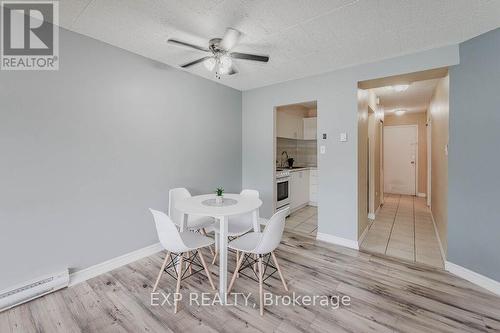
(415, 99)
(302, 37)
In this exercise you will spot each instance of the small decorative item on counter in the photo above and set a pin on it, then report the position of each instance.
(290, 162)
(219, 198)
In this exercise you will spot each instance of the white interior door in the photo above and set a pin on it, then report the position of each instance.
(400, 159)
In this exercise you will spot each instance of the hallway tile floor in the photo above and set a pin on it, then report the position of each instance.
(303, 221)
(403, 229)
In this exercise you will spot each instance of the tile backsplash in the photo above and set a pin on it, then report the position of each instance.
(304, 152)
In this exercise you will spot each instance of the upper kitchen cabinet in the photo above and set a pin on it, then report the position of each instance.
(289, 125)
(310, 128)
(296, 121)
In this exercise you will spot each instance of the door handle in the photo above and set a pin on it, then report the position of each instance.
(412, 162)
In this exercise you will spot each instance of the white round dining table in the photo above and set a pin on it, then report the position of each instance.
(204, 205)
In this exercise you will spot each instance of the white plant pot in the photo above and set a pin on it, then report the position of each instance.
(219, 199)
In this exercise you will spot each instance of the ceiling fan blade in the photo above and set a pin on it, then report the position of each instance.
(246, 56)
(189, 64)
(184, 44)
(230, 39)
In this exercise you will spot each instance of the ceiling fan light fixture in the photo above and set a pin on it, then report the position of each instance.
(223, 70)
(225, 63)
(210, 63)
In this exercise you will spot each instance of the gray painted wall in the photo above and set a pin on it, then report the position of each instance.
(336, 93)
(86, 150)
(474, 161)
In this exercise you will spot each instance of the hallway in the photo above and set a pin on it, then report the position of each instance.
(403, 229)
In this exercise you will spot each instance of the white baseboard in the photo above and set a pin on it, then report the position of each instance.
(441, 249)
(337, 240)
(106, 266)
(476, 278)
(421, 195)
(313, 203)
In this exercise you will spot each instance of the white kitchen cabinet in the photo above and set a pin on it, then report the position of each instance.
(289, 126)
(313, 187)
(300, 128)
(310, 128)
(299, 189)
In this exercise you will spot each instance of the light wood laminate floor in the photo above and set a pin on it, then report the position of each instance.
(403, 229)
(386, 296)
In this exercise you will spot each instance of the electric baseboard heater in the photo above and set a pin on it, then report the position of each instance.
(28, 291)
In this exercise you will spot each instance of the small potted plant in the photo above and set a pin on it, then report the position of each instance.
(219, 195)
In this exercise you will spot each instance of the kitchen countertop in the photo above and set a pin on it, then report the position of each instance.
(299, 169)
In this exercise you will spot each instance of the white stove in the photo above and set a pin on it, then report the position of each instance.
(282, 189)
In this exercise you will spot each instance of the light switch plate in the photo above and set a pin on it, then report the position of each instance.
(322, 149)
(343, 137)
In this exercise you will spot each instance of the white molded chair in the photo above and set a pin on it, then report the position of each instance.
(237, 225)
(194, 222)
(260, 245)
(181, 247)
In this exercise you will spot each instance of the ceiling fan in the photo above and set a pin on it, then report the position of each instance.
(221, 57)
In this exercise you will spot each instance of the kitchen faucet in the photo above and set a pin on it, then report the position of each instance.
(284, 152)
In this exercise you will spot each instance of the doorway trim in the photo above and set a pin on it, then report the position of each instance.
(428, 125)
(416, 153)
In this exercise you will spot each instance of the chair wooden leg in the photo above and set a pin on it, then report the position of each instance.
(261, 291)
(188, 263)
(206, 269)
(279, 271)
(161, 271)
(235, 274)
(179, 278)
(204, 232)
(215, 256)
(216, 247)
